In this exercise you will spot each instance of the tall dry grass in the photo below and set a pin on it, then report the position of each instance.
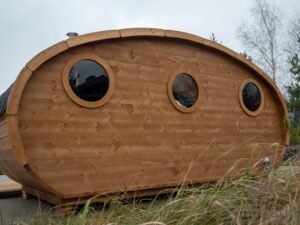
(271, 198)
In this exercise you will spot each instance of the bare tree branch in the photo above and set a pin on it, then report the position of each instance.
(294, 34)
(261, 37)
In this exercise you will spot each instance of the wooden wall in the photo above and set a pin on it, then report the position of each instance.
(8, 163)
(5, 150)
(138, 139)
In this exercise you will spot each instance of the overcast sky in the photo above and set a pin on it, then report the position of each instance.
(29, 26)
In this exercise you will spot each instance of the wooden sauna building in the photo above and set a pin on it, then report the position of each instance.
(134, 110)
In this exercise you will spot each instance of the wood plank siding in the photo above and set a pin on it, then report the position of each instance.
(138, 140)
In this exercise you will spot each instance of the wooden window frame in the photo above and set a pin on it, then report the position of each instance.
(171, 96)
(245, 109)
(68, 89)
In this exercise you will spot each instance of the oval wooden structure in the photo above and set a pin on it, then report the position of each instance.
(136, 139)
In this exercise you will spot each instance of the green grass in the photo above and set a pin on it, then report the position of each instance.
(271, 198)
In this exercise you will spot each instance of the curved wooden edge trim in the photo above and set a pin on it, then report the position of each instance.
(15, 140)
(47, 54)
(135, 32)
(279, 155)
(239, 58)
(287, 139)
(183, 35)
(219, 47)
(17, 91)
(40, 181)
(170, 90)
(273, 85)
(91, 37)
(19, 153)
(200, 40)
(266, 78)
(7, 171)
(70, 92)
(132, 32)
(13, 123)
(247, 111)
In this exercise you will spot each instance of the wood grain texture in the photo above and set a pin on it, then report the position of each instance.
(262, 98)
(134, 32)
(68, 88)
(10, 186)
(3, 129)
(92, 37)
(142, 32)
(138, 140)
(15, 140)
(184, 36)
(5, 149)
(12, 161)
(17, 91)
(8, 161)
(47, 54)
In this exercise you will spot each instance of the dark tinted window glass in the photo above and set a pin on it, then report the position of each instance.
(251, 97)
(89, 80)
(185, 90)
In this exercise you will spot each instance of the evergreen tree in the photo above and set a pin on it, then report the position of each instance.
(293, 91)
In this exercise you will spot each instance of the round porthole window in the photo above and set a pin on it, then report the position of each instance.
(251, 97)
(88, 81)
(183, 90)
